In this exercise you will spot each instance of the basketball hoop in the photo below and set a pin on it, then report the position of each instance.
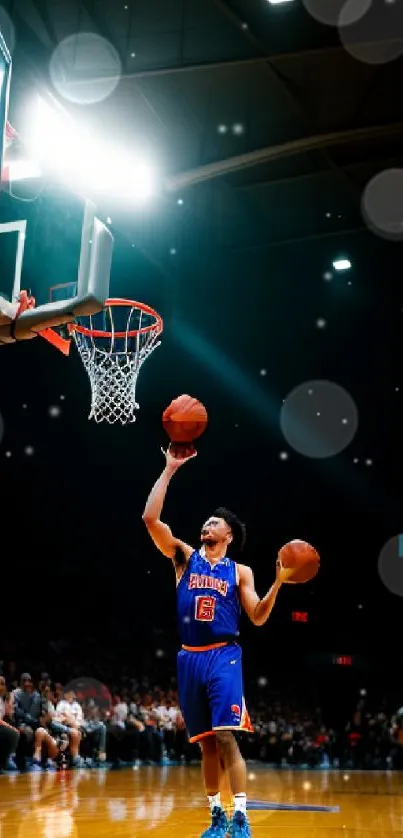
(113, 345)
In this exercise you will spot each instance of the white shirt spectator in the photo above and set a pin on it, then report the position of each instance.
(119, 714)
(73, 709)
(167, 716)
(162, 715)
(173, 713)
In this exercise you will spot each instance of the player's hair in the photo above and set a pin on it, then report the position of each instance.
(236, 526)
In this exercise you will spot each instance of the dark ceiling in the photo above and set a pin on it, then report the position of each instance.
(266, 208)
(317, 122)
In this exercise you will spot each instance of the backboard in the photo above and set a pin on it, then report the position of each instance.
(5, 76)
(57, 248)
(54, 238)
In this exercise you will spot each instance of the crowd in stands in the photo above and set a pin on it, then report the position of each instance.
(44, 725)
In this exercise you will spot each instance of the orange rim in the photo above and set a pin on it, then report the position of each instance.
(99, 333)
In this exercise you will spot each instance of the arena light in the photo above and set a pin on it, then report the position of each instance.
(52, 138)
(277, 2)
(342, 264)
(63, 148)
(124, 176)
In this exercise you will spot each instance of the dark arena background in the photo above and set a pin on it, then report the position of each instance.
(243, 160)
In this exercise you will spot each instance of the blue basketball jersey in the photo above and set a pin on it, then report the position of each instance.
(208, 602)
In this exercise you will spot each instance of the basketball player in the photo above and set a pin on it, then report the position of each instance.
(210, 590)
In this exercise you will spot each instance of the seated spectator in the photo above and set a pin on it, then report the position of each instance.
(117, 729)
(58, 692)
(54, 747)
(68, 719)
(9, 735)
(95, 729)
(183, 748)
(149, 717)
(119, 712)
(27, 711)
(136, 737)
(166, 723)
(396, 733)
(6, 701)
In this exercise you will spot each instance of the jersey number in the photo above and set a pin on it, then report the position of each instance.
(205, 608)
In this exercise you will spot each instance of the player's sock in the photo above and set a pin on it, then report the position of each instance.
(240, 803)
(215, 800)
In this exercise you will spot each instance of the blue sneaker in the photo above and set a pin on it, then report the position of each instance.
(35, 765)
(50, 765)
(219, 824)
(11, 766)
(77, 762)
(239, 826)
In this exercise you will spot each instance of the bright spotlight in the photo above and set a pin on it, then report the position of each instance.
(82, 162)
(342, 265)
(118, 174)
(277, 2)
(51, 136)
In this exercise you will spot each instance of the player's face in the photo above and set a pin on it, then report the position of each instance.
(216, 531)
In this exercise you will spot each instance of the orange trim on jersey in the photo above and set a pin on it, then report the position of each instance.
(201, 736)
(246, 723)
(204, 648)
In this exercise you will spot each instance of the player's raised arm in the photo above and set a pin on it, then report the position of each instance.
(161, 533)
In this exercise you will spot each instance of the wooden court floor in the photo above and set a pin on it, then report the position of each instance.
(168, 802)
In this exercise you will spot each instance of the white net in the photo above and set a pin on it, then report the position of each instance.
(113, 360)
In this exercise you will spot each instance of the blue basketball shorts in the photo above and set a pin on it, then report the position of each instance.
(211, 690)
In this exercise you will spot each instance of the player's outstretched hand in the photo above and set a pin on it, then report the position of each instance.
(180, 456)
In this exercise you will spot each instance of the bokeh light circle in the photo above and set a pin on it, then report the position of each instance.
(375, 37)
(390, 565)
(90, 692)
(85, 68)
(319, 419)
(382, 204)
(329, 11)
(7, 29)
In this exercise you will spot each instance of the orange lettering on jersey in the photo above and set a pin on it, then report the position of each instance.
(201, 581)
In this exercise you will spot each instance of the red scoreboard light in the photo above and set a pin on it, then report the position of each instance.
(343, 660)
(299, 616)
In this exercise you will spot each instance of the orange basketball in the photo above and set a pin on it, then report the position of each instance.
(185, 419)
(301, 556)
